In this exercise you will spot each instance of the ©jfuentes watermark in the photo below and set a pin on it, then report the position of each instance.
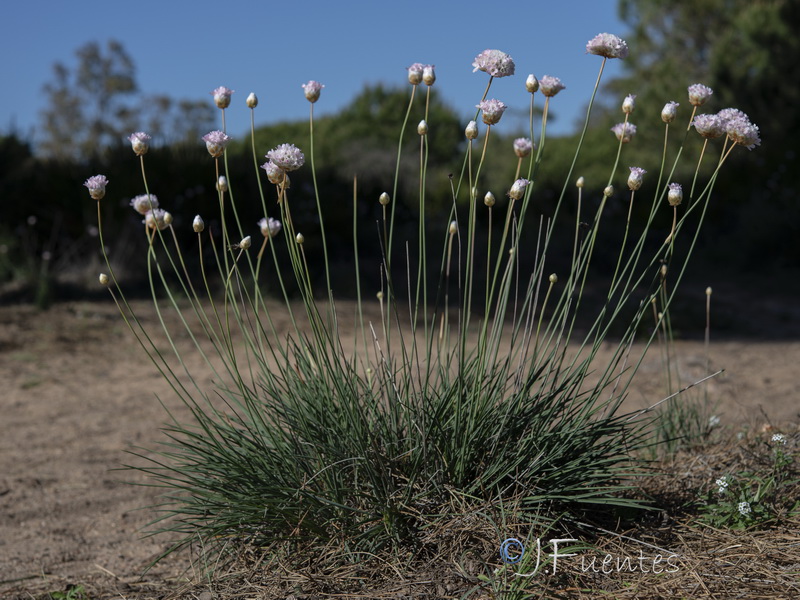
(513, 551)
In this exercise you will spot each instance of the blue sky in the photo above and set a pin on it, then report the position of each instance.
(186, 48)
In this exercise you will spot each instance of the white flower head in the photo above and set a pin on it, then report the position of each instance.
(778, 438)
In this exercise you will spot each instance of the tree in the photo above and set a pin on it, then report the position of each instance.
(89, 108)
(93, 107)
(746, 51)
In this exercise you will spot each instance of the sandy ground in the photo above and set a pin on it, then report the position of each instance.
(77, 393)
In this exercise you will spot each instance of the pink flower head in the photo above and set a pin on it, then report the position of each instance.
(157, 219)
(139, 142)
(522, 147)
(699, 93)
(635, 178)
(608, 45)
(287, 156)
(428, 74)
(269, 227)
(550, 86)
(312, 90)
(97, 186)
(741, 131)
(144, 203)
(415, 73)
(675, 194)
(222, 96)
(669, 112)
(709, 126)
(624, 131)
(517, 190)
(494, 62)
(274, 173)
(727, 114)
(492, 110)
(216, 142)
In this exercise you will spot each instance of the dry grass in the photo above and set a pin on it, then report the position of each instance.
(760, 562)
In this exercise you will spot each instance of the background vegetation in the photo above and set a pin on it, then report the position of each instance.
(745, 50)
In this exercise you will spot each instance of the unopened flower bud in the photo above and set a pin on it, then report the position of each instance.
(198, 224)
(471, 131)
(675, 194)
(553, 278)
(664, 270)
(104, 280)
(428, 74)
(167, 218)
(708, 291)
(422, 128)
(608, 191)
(489, 199)
(222, 183)
(384, 199)
(300, 238)
(628, 104)
(669, 112)
(252, 100)
(379, 295)
(531, 83)
(453, 228)
(474, 192)
(580, 182)
(517, 190)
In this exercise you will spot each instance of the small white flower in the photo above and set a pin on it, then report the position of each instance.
(713, 420)
(779, 438)
(744, 508)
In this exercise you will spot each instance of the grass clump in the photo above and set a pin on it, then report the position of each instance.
(471, 382)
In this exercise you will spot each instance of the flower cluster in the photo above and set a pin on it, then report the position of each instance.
(550, 86)
(144, 203)
(492, 110)
(708, 126)
(635, 178)
(607, 45)
(222, 96)
(675, 194)
(312, 90)
(269, 227)
(157, 218)
(523, 147)
(495, 63)
(216, 142)
(139, 142)
(722, 485)
(744, 508)
(624, 131)
(96, 186)
(778, 438)
(699, 93)
(287, 157)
